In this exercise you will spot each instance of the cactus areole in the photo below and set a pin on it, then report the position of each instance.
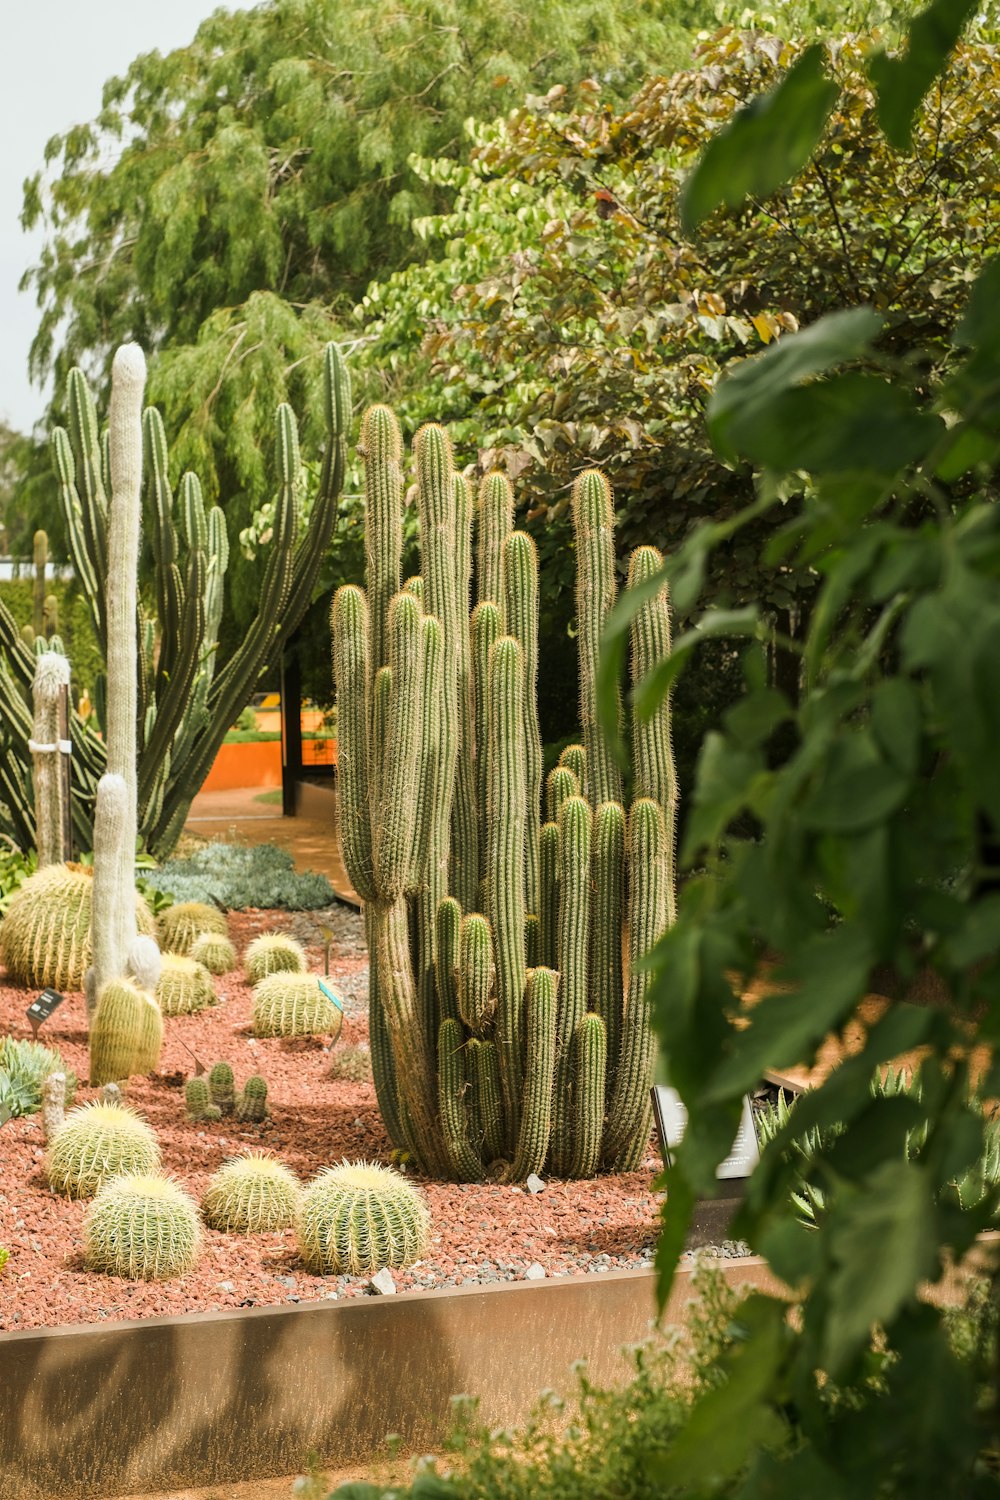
(509, 1018)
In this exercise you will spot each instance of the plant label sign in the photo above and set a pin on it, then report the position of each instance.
(331, 994)
(671, 1120)
(39, 1010)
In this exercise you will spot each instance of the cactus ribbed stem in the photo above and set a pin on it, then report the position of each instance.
(397, 801)
(464, 872)
(652, 739)
(649, 878)
(573, 949)
(484, 1066)
(476, 974)
(560, 784)
(548, 936)
(437, 505)
(383, 1067)
(574, 758)
(38, 600)
(50, 680)
(466, 1165)
(590, 1059)
(351, 668)
(381, 446)
(494, 523)
(532, 939)
(520, 579)
(506, 805)
(536, 1119)
(596, 589)
(608, 917)
(485, 628)
(446, 958)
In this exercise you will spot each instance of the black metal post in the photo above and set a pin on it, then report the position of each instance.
(291, 729)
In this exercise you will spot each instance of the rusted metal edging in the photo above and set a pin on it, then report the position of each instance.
(163, 1403)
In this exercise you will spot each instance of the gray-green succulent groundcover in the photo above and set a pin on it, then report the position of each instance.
(240, 876)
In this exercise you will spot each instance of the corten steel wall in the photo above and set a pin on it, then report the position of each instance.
(123, 1408)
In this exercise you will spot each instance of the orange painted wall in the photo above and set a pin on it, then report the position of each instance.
(254, 764)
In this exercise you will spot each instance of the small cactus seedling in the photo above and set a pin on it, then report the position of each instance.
(273, 953)
(215, 951)
(142, 1227)
(181, 925)
(251, 1193)
(359, 1217)
(185, 986)
(294, 1005)
(352, 1063)
(96, 1142)
(198, 1101)
(251, 1108)
(221, 1087)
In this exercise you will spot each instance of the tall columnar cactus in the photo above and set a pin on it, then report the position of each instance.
(50, 683)
(501, 1040)
(38, 597)
(186, 703)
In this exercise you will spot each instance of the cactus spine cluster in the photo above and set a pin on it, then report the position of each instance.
(506, 1035)
(185, 986)
(359, 1217)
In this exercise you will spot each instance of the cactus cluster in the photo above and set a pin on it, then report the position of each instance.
(45, 936)
(273, 953)
(287, 1004)
(215, 951)
(185, 986)
(251, 1193)
(358, 1217)
(99, 1141)
(142, 1227)
(507, 1034)
(182, 924)
(212, 1097)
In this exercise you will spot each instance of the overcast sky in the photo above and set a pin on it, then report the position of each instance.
(58, 54)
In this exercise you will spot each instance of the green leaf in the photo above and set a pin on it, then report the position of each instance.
(901, 82)
(857, 788)
(766, 142)
(746, 395)
(650, 691)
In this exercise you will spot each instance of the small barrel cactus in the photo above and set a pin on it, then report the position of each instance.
(251, 1107)
(215, 951)
(185, 986)
(198, 1101)
(251, 1193)
(45, 933)
(147, 1058)
(359, 1217)
(142, 1227)
(273, 953)
(116, 1032)
(294, 1005)
(221, 1087)
(354, 1064)
(99, 1141)
(183, 923)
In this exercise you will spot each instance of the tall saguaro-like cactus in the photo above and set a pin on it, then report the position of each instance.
(485, 1065)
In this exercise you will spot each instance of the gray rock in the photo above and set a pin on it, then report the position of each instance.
(535, 1272)
(288, 1281)
(224, 1286)
(382, 1283)
(535, 1184)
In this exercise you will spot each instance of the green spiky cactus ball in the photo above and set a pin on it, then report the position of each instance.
(222, 1087)
(359, 1217)
(45, 934)
(99, 1141)
(215, 951)
(273, 953)
(294, 1005)
(182, 924)
(142, 1227)
(251, 1193)
(251, 1107)
(198, 1101)
(185, 987)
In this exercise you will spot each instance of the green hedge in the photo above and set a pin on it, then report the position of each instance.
(74, 623)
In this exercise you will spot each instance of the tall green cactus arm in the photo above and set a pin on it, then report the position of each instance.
(485, 627)
(607, 926)
(381, 447)
(430, 748)
(465, 812)
(652, 739)
(520, 591)
(447, 926)
(649, 857)
(476, 974)
(560, 784)
(466, 1163)
(505, 864)
(176, 699)
(40, 558)
(163, 536)
(548, 936)
(494, 522)
(438, 511)
(383, 1066)
(590, 1059)
(574, 758)
(536, 1120)
(76, 534)
(394, 824)
(351, 673)
(573, 953)
(596, 590)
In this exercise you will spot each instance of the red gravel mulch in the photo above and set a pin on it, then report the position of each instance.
(480, 1233)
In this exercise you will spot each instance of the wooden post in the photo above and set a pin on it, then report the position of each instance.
(66, 774)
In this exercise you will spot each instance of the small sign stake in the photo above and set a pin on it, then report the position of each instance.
(39, 1010)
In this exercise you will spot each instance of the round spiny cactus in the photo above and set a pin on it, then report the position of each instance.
(215, 951)
(273, 953)
(294, 1005)
(185, 986)
(182, 924)
(99, 1141)
(45, 934)
(198, 1101)
(354, 1064)
(142, 1227)
(252, 1105)
(251, 1193)
(359, 1217)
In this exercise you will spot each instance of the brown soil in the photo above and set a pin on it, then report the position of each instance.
(479, 1233)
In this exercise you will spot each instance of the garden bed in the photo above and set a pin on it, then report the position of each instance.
(481, 1233)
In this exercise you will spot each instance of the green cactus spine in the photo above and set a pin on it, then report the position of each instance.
(596, 590)
(560, 784)
(251, 1107)
(476, 974)
(495, 521)
(652, 739)
(536, 1121)
(116, 1032)
(590, 1061)
(466, 1163)
(573, 949)
(381, 447)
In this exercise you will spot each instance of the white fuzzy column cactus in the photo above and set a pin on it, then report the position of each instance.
(51, 676)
